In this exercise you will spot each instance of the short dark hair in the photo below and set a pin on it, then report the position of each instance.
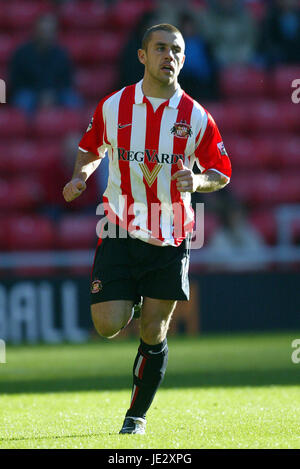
(158, 27)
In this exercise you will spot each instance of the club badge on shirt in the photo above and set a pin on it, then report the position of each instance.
(182, 129)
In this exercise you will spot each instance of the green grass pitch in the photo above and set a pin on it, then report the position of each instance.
(233, 391)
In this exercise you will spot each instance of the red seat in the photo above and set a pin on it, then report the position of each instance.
(268, 150)
(96, 84)
(20, 194)
(29, 156)
(31, 233)
(267, 188)
(230, 117)
(5, 157)
(22, 15)
(56, 122)
(94, 48)
(267, 116)
(106, 47)
(77, 46)
(290, 152)
(283, 78)
(265, 222)
(243, 82)
(3, 232)
(243, 153)
(13, 123)
(126, 14)
(83, 15)
(77, 232)
(8, 44)
(28, 193)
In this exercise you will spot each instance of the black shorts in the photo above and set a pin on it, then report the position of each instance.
(128, 268)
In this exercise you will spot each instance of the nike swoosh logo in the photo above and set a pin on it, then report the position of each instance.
(123, 126)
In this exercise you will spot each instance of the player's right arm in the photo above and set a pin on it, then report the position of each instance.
(90, 153)
(86, 163)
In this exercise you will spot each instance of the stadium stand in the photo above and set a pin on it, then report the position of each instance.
(254, 112)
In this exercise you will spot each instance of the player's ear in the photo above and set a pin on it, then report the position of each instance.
(142, 56)
(182, 62)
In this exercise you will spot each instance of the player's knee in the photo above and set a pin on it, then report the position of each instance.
(154, 332)
(106, 327)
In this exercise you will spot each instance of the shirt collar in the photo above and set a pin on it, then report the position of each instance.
(173, 101)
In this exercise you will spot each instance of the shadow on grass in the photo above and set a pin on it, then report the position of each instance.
(216, 378)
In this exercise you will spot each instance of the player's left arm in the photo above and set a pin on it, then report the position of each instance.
(188, 181)
(212, 159)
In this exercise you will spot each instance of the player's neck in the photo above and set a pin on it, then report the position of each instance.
(156, 89)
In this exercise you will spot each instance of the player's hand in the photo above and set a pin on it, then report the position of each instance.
(73, 189)
(185, 178)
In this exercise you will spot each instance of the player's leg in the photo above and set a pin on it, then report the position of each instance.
(113, 291)
(109, 317)
(167, 279)
(150, 363)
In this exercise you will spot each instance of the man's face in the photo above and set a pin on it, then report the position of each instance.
(164, 57)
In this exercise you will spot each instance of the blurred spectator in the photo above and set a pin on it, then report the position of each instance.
(280, 36)
(55, 178)
(41, 72)
(131, 70)
(230, 31)
(169, 11)
(197, 77)
(236, 243)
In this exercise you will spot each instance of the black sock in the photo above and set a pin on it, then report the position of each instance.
(148, 372)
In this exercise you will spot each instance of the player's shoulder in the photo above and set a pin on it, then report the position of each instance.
(198, 108)
(112, 99)
(199, 115)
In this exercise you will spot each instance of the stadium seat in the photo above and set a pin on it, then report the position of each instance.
(20, 194)
(265, 223)
(56, 122)
(85, 15)
(96, 84)
(266, 188)
(78, 47)
(126, 13)
(5, 157)
(268, 150)
(29, 156)
(230, 117)
(77, 232)
(3, 233)
(8, 44)
(94, 48)
(243, 153)
(267, 116)
(243, 82)
(13, 123)
(290, 152)
(22, 15)
(282, 80)
(107, 47)
(31, 232)
(27, 193)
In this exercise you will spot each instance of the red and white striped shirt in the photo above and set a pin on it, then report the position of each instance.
(143, 147)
